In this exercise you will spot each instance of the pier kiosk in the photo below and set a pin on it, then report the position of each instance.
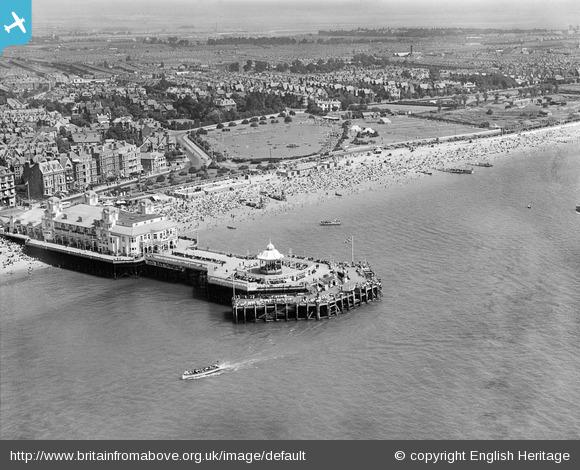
(270, 260)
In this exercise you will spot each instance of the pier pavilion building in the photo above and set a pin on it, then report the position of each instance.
(108, 230)
(271, 260)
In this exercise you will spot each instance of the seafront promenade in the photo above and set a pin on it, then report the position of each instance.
(352, 173)
(357, 171)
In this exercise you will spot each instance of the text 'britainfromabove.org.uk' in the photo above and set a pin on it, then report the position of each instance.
(150, 456)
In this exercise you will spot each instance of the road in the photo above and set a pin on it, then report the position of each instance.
(197, 156)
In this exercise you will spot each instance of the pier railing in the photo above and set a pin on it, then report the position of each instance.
(165, 260)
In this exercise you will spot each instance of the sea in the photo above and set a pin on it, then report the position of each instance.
(477, 335)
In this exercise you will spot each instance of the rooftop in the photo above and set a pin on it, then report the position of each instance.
(81, 215)
(132, 231)
(131, 218)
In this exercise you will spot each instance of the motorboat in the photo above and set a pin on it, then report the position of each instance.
(330, 222)
(203, 372)
(482, 164)
(459, 171)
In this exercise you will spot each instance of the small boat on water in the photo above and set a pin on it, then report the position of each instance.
(425, 172)
(203, 372)
(482, 164)
(578, 208)
(458, 171)
(330, 222)
(530, 205)
(231, 227)
(337, 194)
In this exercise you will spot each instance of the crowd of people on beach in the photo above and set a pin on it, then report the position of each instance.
(352, 173)
(13, 259)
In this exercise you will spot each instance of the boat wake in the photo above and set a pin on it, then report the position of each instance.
(228, 366)
(248, 363)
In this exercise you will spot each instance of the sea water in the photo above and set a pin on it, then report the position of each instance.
(476, 336)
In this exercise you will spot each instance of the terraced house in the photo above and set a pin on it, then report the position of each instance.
(7, 189)
(44, 178)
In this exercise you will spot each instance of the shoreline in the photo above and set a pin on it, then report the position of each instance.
(357, 173)
(14, 262)
(363, 172)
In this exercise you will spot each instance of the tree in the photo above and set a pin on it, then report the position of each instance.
(313, 108)
(434, 73)
(287, 119)
(160, 179)
(260, 66)
(234, 67)
(63, 145)
(282, 67)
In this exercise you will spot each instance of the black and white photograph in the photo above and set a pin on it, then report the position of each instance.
(290, 220)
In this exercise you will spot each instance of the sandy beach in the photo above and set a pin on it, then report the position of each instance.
(14, 261)
(352, 174)
(360, 172)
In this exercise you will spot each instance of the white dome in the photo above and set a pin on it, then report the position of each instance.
(270, 253)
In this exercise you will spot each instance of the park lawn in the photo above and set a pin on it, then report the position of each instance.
(404, 128)
(303, 136)
(511, 116)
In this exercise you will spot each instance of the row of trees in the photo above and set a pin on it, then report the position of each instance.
(420, 32)
(205, 112)
(256, 41)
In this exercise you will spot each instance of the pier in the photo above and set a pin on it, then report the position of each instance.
(265, 287)
(302, 307)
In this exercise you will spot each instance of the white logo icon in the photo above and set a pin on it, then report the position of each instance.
(17, 22)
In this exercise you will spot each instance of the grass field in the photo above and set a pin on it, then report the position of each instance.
(511, 116)
(405, 128)
(303, 136)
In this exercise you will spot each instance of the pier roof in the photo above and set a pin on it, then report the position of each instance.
(270, 253)
(130, 218)
(81, 215)
(135, 230)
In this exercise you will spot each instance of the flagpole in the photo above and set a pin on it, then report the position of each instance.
(352, 249)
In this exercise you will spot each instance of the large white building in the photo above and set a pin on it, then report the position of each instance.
(107, 229)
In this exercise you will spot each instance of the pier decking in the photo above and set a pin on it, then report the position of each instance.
(296, 289)
(303, 307)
